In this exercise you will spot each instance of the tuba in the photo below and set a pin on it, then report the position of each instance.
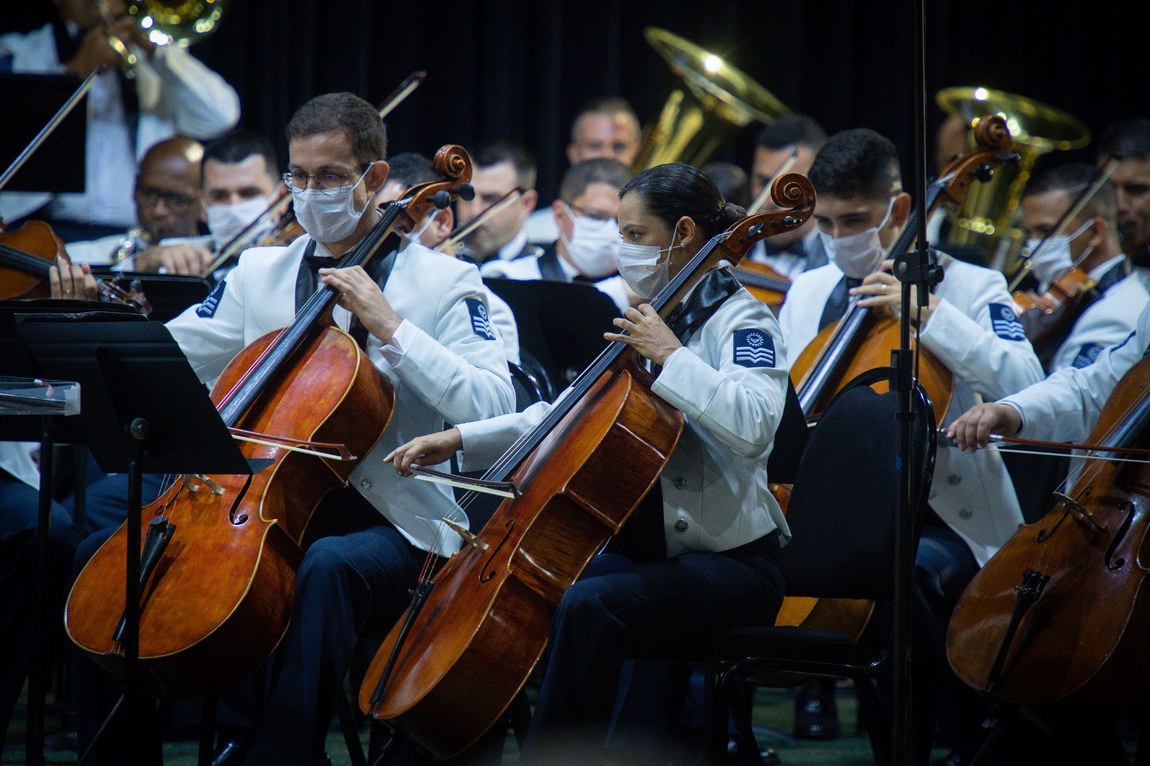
(713, 103)
(987, 220)
(177, 22)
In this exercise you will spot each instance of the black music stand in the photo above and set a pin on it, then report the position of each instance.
(168, 294)
(141, 402)
(560, 323)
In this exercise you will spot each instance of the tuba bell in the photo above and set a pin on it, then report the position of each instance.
(177, 22)
(713, 103)
(987, 220)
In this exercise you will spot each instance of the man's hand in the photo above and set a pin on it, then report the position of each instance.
(882, 292)
(648, 333)
(974, 427)
(425, 450)
(72, 281)
(174, 259)
(359, 294)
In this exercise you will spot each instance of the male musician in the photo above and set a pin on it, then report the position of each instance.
(1088, 240)
(500, 168)
(792, 252)
(1130, 141)
(969, 325)
(171, 93)
(421, 318)
(588, 239)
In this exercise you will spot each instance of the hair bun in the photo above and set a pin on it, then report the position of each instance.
(728, 215)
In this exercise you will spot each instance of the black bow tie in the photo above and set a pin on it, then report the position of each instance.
(317, 262)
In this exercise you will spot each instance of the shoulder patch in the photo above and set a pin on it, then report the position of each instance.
(480, 321)
(208, 308)
(754, 348)
(1005, 322)
(1087, 355)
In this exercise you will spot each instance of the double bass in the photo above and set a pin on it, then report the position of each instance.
(220, 552)
(450, 667)
(1057, 619)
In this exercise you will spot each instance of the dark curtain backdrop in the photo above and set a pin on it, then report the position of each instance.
(520, 69)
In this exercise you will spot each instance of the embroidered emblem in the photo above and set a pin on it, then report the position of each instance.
(480, 321)
(1005, 322)
(1087, 355)
(207, 309)
(754, 348)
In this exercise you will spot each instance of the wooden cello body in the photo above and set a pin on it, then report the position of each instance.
(1057, 619)
(449, 669)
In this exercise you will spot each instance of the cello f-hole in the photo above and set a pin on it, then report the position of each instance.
(488, 568)
(1114, 564)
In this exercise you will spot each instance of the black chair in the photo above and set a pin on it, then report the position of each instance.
(841, 515)
(530, 381)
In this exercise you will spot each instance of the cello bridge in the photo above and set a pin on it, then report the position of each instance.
(1079, 512)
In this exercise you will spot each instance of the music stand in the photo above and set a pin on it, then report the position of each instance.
(560, 323)
(168, 294)
(140, 402)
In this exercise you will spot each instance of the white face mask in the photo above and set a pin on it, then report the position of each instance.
(1053, 258)
(594, 244)
(329, 216)
(417, 234)
(857, 255)
(644, 268)
(226, 221)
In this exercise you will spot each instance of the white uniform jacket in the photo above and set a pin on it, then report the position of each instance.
(1065, 406)
(445, 362)
(177, 94)
(528, 269)
(16, 459)
(990, 358)
(1105, 322)
(730, 384)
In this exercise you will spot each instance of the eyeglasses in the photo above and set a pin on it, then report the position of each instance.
(326, 183)
(150, 195)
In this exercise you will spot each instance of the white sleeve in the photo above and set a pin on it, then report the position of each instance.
(211, 333)
(484, 441)
(198, 102)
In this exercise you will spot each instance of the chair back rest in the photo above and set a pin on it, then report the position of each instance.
(790, 441)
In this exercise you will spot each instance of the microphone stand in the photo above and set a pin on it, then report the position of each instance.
(914, 270)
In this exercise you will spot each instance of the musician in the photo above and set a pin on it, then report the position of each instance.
(172, 93)
(410, 169)
(426, 331)
(1090, 242)
(500, 168)
(791, 252)
(968, 324)
(588, 241)
(1130, 140)
(706, 556)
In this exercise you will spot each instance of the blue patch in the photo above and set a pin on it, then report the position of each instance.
(207, 309)
(754, 348)
(480, 321)
(1005, 322)
(1087, 355)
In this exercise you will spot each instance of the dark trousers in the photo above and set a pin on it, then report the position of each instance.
(620, 608)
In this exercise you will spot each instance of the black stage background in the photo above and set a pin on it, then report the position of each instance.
(521, 69)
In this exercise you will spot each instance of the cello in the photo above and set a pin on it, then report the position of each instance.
(1057, 619)
(220, 552)
(464, 652)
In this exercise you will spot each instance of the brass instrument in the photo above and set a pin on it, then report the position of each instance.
(715, 101)
(988, 217)
(166, 22)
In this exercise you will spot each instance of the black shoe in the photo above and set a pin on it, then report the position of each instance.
(816, 715)
(767, 756)
(232, 751)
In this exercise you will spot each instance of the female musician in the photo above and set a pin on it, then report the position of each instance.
(717, 529)
(969, 325)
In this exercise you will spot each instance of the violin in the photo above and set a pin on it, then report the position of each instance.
(220, 552)
(1057, 619)
(469, 642)
(1048, 318)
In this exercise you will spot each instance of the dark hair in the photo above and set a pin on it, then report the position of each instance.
(601, 170)
(1126, 138)
(792, 130)
(342, 112)
(1072, 178)
(412, 169)
(731, 181)
(676, 190)
(512, 152)
(237, 145)
(609, 105)
(856, 162)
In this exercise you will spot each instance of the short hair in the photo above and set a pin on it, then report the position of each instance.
(344, 112)
(792, 130)
(601, 170)
(1072, 178)
(856, 162)
(676, 190)
(412, 169)
(609, 105)
(237, 145)
(1126, 138)
(509, 151)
